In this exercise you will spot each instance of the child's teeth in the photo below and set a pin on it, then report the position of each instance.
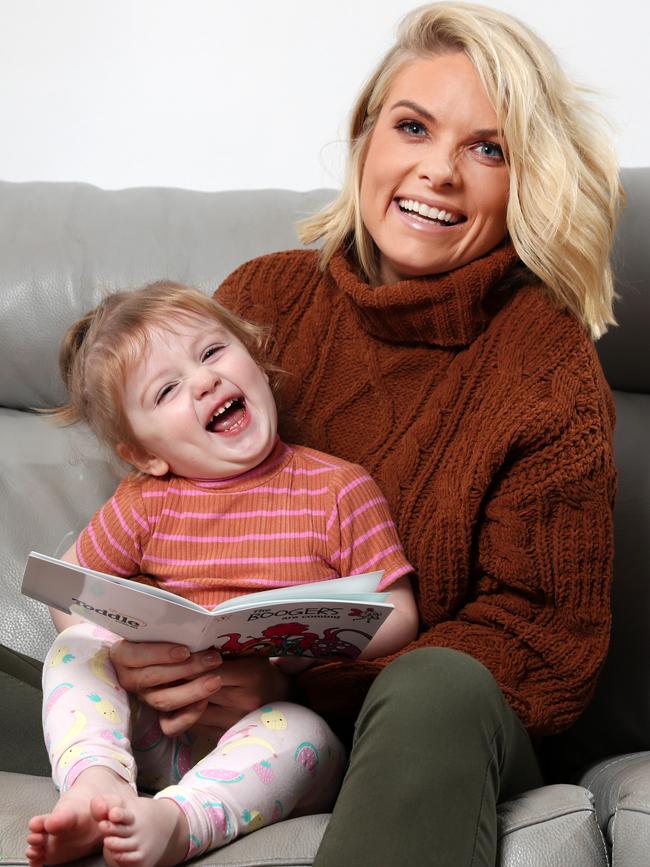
(223, 408)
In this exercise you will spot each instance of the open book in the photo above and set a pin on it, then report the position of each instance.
(321, 619)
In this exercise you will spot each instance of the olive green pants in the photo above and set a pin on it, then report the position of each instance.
(436, 747)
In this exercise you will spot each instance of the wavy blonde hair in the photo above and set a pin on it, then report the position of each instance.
(565, 194)
(99, 351)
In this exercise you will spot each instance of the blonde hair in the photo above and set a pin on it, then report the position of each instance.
(99, 351)
(565, 193)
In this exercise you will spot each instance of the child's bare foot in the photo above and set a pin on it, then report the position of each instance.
(145, 832)
(70, 831)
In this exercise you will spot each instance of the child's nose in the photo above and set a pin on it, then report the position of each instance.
(204, 382)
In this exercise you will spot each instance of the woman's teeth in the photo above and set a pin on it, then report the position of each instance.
(430, 213)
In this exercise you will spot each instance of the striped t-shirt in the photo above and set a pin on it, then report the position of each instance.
(300, 516)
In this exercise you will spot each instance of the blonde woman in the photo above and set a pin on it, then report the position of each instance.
(443, 337)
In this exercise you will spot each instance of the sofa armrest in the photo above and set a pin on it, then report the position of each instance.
(550, 825)
(621, 789)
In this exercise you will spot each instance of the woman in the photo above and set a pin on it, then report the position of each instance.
(442, 338)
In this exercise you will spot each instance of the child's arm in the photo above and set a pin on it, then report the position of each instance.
(399, 628)
(60, 620)
(401, 625)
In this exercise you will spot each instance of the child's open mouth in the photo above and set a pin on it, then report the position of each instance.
(228, 417)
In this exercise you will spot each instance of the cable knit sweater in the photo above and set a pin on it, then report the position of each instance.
(482, 411)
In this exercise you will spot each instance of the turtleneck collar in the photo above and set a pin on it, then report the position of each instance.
(449, 309)
(274, 463)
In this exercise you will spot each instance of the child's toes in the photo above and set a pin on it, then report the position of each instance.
(121, 815)
(109, 810)
(37, 824)
(35, 855)
(118, 845)
(99, 808)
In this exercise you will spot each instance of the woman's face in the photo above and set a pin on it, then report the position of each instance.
(434, 190)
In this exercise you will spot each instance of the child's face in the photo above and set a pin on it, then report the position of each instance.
(198, 404)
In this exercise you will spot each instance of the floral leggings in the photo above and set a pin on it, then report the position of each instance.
(277, 761)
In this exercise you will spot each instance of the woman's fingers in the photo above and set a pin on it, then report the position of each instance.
(133, 654)
(212, 719)
(141, 666)
(175, 696)
(177, 722)
(249, 683)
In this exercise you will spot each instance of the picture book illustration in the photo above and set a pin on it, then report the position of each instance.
(324, 619)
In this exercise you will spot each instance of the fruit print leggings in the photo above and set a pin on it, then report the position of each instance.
(275, 762)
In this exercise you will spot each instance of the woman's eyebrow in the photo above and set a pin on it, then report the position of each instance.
(488, 133)
(406, 103)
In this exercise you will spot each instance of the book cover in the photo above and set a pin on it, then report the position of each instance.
(325, 619)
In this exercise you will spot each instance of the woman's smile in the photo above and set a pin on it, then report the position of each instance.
(421, 215)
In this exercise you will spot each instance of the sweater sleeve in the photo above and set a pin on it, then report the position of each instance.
(535, 607)
(113, 539)
(538, 614)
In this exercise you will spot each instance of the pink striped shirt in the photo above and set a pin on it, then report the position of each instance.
(300, 516)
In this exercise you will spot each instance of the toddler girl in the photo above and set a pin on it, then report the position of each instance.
(216, 506)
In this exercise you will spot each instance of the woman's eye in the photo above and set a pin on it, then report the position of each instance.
(210, 351)
(490, 150)
(412, 128)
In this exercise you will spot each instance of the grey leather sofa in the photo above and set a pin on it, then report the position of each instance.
(61, 247)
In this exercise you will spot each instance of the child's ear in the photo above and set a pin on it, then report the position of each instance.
(141, 460)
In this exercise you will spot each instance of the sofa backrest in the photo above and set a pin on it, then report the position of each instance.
(62, 246)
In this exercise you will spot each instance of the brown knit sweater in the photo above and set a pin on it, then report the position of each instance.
(482, 411)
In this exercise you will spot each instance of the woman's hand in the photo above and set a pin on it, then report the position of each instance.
(169, 678)
(189, 688)
(246, 684)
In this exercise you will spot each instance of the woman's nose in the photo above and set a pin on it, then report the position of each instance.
(438, 167)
